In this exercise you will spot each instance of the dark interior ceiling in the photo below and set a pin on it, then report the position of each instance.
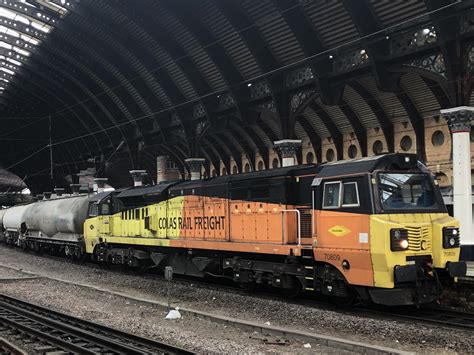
(121, 81)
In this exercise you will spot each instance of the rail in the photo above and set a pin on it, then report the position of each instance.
(65, 333)
(298, 214)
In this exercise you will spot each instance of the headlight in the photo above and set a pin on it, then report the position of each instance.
(398, 239)
(451, 237)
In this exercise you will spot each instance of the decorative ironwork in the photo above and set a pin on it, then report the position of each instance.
(459, 119)
(299, 98)
(434, 63)
(226, 100)
(175, 120)
(201, 127)
(467, 24)
(180, 132)
(350, 60)
(199, 111)
(414, 39)
(470, 58)
(260, 89)
(288, 147)
(299, 76)
(268, 105)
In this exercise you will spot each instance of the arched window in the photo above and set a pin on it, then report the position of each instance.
(406, 143)
(275, 163)
(352, 151)
(437, 139)
(330, 154)
(377, 147)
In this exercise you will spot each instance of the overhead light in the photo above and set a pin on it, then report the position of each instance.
(249, 84)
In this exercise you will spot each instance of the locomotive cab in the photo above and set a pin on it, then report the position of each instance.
(382, 223)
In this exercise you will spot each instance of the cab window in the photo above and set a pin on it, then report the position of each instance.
(93, 210)
(340, 194)
(105, 209)
(331, 195)
(350, 195)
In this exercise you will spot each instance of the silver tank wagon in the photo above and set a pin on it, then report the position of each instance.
(60, 219)
(2, 213)
(2, 230)
(13, 223)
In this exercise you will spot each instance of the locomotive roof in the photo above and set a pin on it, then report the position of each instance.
(147, 191)
(393, 161)
(296, 170)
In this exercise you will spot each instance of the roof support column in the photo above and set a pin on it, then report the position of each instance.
(195, 165)
(166, 170)
(287, 149)
(137, 176)
(459, 122)
(100, 182)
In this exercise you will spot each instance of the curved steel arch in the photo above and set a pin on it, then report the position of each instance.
(41, 99)
(53, 97)
(49, 79)
(97, 81)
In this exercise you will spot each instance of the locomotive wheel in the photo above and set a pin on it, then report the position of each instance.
(347, 301)
(294, 291)
(38, 249)
(247, 286)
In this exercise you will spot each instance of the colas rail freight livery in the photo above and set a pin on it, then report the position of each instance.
(375, 229)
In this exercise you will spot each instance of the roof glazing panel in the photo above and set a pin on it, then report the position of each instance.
(23, 27)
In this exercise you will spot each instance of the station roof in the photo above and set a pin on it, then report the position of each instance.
(121, 82)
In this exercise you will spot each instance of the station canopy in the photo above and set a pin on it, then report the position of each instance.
(111, 85)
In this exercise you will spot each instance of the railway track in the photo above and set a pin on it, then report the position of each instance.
(7, 348)
(434, 316)
(438, 316)
(60, 332)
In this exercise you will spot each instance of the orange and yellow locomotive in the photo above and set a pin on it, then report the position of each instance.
(372, 228)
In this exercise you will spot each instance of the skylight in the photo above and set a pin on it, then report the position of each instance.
(24, 25)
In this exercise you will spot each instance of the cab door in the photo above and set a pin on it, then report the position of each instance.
(91, 227)
(104, 218)
(342, 228)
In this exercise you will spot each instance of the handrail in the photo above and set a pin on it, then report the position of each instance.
(298, 213)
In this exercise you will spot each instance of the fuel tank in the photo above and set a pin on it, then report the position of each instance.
(14, 217)
(57, 218)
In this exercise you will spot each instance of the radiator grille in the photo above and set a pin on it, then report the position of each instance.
(418, 238)
(305, 222)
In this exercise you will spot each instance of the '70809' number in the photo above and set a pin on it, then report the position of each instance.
(335, 257)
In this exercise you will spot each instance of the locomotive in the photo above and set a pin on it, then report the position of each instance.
(373, 229)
